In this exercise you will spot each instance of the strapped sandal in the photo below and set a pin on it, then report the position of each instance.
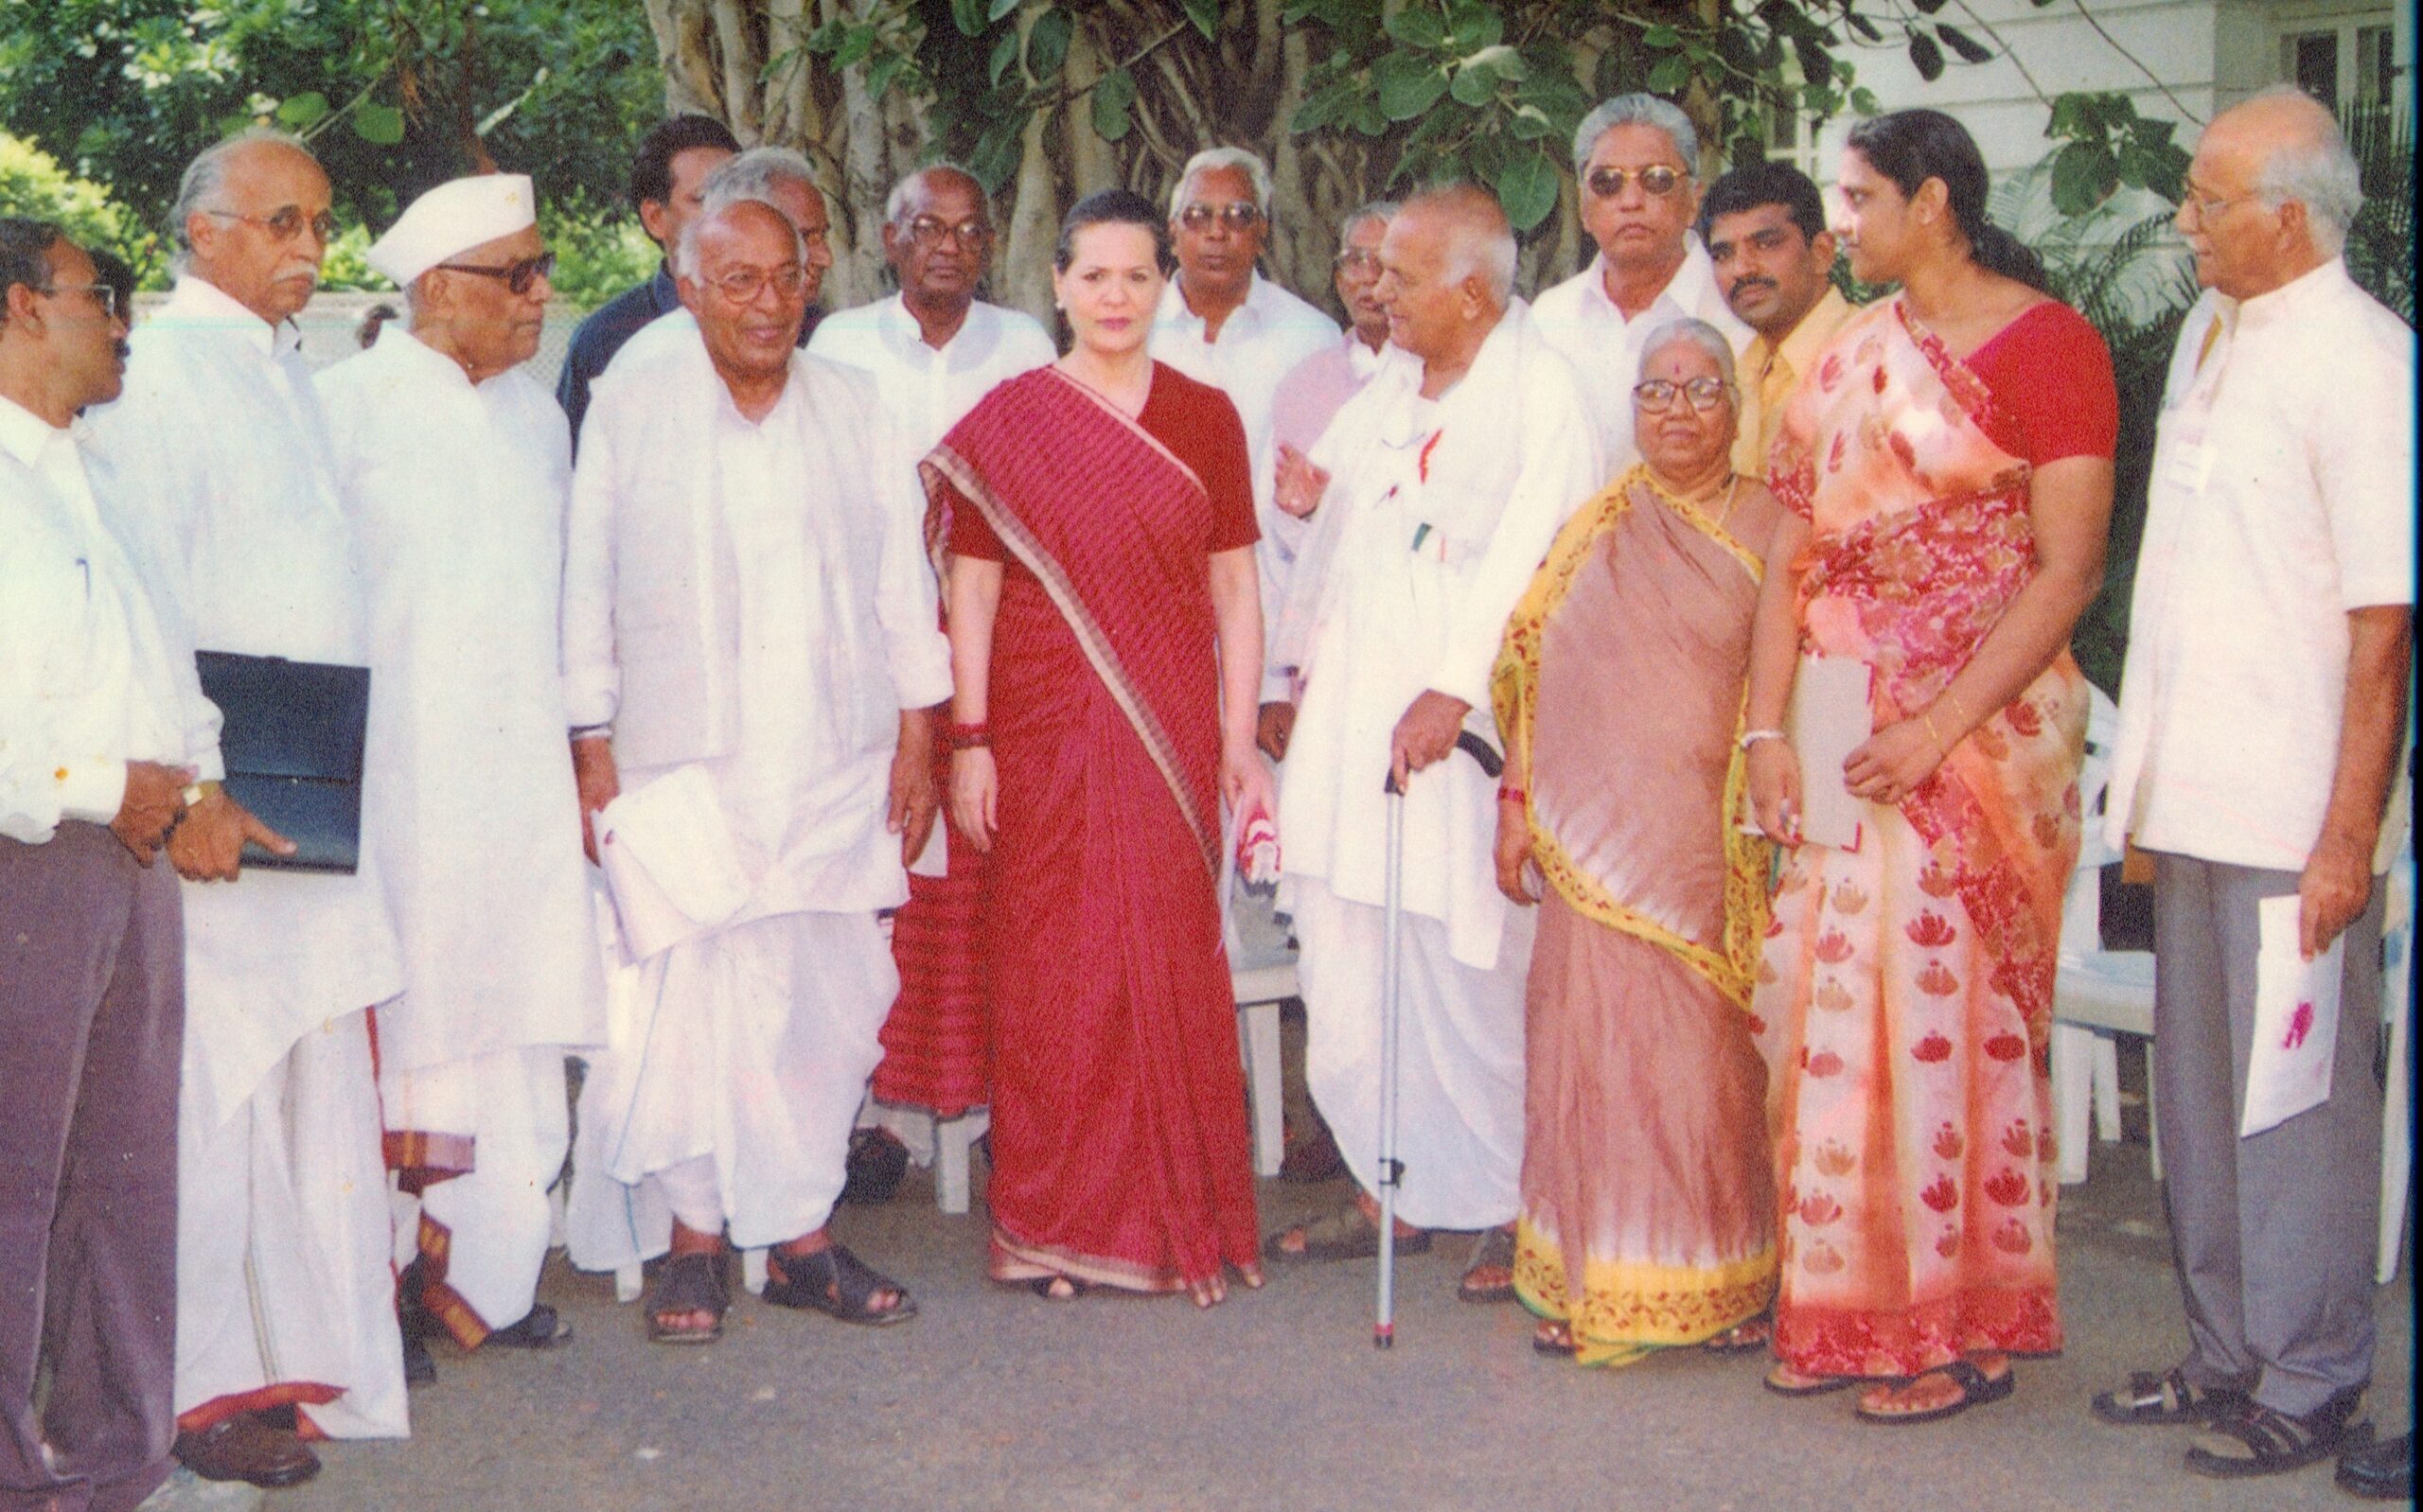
(2259, 1440)
(1493, 1250)
(2167, 1398)
(1555, 1339)
(838, 1284)
(690, 1283)
(1343, 1235)
(1977, 1390)
(1785, 1382)
(540, 1329)
(1743, 1338)
(1059, 1288)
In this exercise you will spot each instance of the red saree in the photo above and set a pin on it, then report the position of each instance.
(1119, 1153)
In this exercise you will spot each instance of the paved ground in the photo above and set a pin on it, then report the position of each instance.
(994, 1398)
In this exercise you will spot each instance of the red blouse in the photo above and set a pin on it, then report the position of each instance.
(2051, 377)
(1200, 427)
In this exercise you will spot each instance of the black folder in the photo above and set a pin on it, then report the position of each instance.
(291, 735)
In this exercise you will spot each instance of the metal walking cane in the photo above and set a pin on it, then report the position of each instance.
(1383, 1325)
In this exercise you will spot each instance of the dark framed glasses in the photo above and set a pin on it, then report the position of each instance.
(1657, 395)
(1657, 179)
(518, 277)
(1237, 215)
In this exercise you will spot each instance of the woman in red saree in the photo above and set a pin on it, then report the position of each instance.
(1106, 640)
(1946, 477)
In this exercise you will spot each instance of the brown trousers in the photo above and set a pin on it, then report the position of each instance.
(91, 1025)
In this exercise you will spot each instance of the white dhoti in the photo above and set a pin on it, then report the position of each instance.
(481, 1234)
(284, 1243)
(1459, 1057)
(728, 1093)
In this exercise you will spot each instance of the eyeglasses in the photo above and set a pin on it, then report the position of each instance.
(743, 288)
(1237, 215)
(1656, 395)
(1657, 179)
(928, 231)
(2206, 206)
(518, 277)
(286, 224)
(1359, 260)
(104, 296)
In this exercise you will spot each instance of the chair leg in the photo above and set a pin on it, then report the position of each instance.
(2397, 1151)
(1259, 1025)
(2073, 1070)
(752, 1269)
(953, 1139)
(2107, 1089)
(627, 1283)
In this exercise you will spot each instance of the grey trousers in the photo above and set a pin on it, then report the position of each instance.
(2272, 1236)
(92, 1021)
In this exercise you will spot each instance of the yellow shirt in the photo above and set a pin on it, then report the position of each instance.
(1769, 374)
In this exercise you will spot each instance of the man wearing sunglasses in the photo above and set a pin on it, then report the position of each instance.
(455, 464)
(1636, 158)
(95, 749)
(214, 468)
(1223, 323)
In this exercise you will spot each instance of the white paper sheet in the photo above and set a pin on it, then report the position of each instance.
(1828, 719)
(2296, 1021)
(671, 862)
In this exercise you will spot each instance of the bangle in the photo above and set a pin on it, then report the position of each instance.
(1511, 795)
(966, 737)
(1751, 737)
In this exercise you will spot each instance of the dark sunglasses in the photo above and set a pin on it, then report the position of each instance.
(1237, 215)
(518, 277)
(1657, 179)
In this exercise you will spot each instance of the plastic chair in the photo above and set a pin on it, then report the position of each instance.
(1262, 968)
(2398, 1009)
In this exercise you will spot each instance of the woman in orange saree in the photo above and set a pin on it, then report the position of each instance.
(1946, 473)
(1648, 1200)
(1105, 642)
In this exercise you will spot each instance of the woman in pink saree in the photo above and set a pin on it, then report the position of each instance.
(1648, 1216)
(1946, 473)
(1106, 638)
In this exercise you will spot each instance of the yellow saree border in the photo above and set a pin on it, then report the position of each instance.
(1629, 1308)
(1731, 965)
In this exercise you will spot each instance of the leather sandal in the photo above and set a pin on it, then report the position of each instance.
(1977, 1390)
(1554, 1339)
(1785, 1382)
(1343, 1235)
(2377, 1469)
(1745, 1337)
(540, 1328)
(690, 1283)
(2164, 1398)
(1493, 1250)
(246, 1446)
(838, 1284)
(2259, 1440)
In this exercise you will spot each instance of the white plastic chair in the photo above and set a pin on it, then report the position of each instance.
(2097, 992)
(2397, 1008)
(1262, 967)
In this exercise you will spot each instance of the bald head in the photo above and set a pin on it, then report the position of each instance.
(252, 215)
(2270, 194)
(1473, 235)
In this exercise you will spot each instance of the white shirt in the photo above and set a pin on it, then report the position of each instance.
(85, 685)
(1444, 509)
(214, 469)
(457, 497)
(1261, 342)
(1580, 321)
(2283, 497)
(925, 390)
(753, 597)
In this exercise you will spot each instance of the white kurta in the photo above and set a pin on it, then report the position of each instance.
(1580, 321)
(457, 495)
(1445, 509)
(1262, 341)
(214, 469)
(811, 608)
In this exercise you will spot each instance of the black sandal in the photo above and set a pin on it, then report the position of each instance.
(540, 1328)
(1977, 1390)
(2259, 1440)
(838, 1284)
(690, 1283)
(1554, 1339)
(1748, 1336)
(2164, 1398)
(1059, 1288)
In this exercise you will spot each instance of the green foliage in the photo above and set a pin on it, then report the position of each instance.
(2381, 245)
(394, 96)
(2107, 144)
(35, 185)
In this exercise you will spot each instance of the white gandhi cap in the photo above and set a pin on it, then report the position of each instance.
(452, 218)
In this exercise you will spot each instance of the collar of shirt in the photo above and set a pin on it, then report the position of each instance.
(1689, 291)
(900, 331)
(197, 301)
(2289, 302)
(1177, 313)
(397, 345)
(26, 435)
(1815, 329)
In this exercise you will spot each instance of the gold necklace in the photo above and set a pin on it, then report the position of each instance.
(1696, 506)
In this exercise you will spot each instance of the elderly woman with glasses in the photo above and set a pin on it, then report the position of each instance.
(1648, 1217)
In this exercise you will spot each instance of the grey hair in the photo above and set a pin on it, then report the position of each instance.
(1698, 333)
(1488, 253)
(1383, 211)
(686, 246)
(207, 174)
(1638, 109)
(753, 175)
(2317, 171)
(899, 205)
(1212, 158)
